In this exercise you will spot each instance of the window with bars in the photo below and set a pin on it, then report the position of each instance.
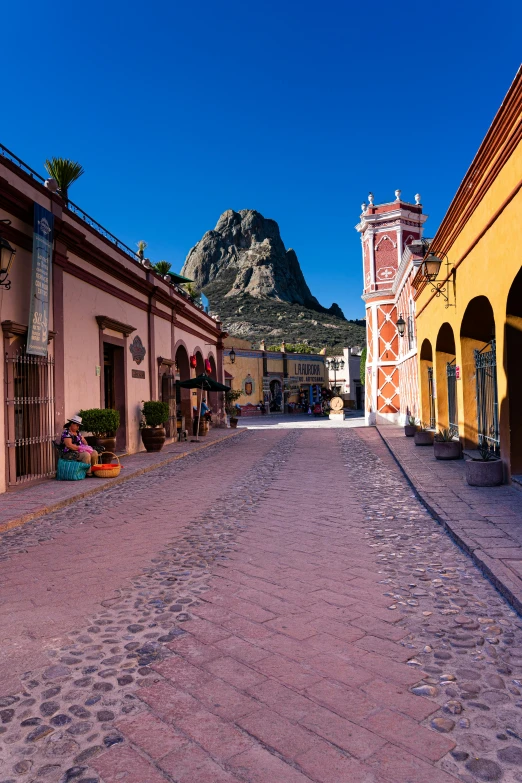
(30, 417)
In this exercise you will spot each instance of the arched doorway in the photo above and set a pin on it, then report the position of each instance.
(276, 395)
(446, 380)
(183, 374)
(513, 369)
(479, 375)
(427, 385)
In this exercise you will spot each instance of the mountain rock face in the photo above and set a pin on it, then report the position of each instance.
(257, 288)
(248, 249)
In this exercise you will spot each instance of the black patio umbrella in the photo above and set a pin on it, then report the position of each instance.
(205, 383)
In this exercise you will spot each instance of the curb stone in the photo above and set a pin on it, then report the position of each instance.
(491, 569)
(97, 488)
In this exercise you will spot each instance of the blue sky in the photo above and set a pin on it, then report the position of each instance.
(178, 111)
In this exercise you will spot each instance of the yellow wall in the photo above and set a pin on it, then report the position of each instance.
(244, 367)
(488, 270)
(251, 367)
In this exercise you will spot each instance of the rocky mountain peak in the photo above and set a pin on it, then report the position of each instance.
(245, 251)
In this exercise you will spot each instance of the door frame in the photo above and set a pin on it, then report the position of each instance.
(119, 393)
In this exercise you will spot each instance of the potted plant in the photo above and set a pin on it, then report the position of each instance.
(230, 398)
(65, 172)
(410, 427)
(486, 470)
(423, 436)
(102, 423)
(445, 446)
(153, 434)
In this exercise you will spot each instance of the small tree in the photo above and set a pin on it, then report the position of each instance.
(191, 291)
(162, 268)
(230, 398)
(362, 371)
(65, 172)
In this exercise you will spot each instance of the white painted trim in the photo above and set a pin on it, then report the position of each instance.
(410, 355)
(371, 248)
(373, 294)
(375, 352)
(386, 236)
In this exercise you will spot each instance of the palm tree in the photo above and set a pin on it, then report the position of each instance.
(141, 249)
(191, 291)
(162, 268)
(65, 172)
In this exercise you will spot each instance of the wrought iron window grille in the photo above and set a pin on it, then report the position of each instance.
(487, 397)
(453, 420)
(431, 398)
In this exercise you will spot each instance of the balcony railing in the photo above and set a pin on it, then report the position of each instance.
(74, 208)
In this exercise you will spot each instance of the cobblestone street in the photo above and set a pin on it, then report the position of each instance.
(277, 608)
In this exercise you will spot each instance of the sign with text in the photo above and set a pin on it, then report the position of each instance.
(309, 372)
(38, 329)
(457, 372)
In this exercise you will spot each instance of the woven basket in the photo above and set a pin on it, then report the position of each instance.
(107, 470)
(71, 470)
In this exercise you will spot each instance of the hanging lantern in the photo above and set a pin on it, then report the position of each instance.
(208, 367)
(193, 362)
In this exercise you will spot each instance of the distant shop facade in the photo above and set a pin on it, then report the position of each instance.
(111, 334)
(278, 380)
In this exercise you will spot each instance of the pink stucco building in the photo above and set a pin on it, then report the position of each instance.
(118, 332)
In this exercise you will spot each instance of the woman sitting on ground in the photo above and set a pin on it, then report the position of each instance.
(75, 446)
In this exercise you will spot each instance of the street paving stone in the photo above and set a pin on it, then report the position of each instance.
(308, 622)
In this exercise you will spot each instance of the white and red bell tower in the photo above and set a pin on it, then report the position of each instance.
(385, 229)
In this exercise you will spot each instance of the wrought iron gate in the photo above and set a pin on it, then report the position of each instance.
(487, 397)
(30, 417)
(431, 398)
(453, 414)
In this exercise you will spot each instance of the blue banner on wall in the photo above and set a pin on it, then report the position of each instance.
(38, 331)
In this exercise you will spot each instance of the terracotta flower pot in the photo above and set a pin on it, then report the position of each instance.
(449, 449)
(233, 422)
(107, 444)
(153, 438)
(410, 430)
(484, 474)
(424, 438)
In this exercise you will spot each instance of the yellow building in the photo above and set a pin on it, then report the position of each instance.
(279, 380)
(469, 320)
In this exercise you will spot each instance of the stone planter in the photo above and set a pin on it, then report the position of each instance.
(424, 438)
(153, 438)
(97, 442)
(410, 430)
(448, 449)
(233, 422)
(484, 474)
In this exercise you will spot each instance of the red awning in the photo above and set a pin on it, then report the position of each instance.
(228, 376)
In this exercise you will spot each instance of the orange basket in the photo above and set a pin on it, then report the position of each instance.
(108, 469)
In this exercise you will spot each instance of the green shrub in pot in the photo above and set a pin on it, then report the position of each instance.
(153, 434)
(155, 413)
(102, 423)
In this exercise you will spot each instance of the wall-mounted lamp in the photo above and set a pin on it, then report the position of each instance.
(401, 325)
(430, 269)
(7, 254)
(232, 356)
